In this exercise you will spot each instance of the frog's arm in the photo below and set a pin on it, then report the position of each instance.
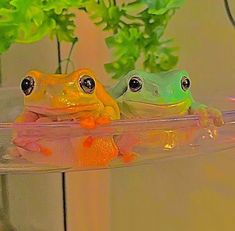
(111, 109)
(27, 116)
(206, 113)
(29, 143)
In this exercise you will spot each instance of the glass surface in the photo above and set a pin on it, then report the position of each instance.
(120, 144)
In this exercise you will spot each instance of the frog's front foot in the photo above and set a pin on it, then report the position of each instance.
(90, 122)
(32, 145)
(206, 114)
(128, 158)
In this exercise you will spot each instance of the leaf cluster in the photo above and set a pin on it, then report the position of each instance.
(27, 21)
(137, 30)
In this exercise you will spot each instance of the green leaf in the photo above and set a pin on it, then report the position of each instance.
(125, 42)
(4, 4)
(135, 7)
(120, 67)
(64, 26)
(6, 15)
(31, 20)
(168, 62)
(136, 30)
(105, 15)
(160, 57)
(56, 6)
(59, 6)
(164, 6)
(175, 4)
(7, 36)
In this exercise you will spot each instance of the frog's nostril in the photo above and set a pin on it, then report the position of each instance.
(155, 92)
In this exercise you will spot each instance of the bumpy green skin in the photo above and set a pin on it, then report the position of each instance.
(162, 96)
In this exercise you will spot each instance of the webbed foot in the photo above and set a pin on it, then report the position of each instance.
(32, 145)
(206, 114)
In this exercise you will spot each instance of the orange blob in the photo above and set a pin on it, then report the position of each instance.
(88, 142)
(128, 158)
(99, 153)
(88, 122)
(45, 151)
(103, 120)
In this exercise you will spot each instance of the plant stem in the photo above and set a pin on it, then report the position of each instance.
(228, 11)
(70, 53)
(4, 195)
(59, 68)
(0, 70)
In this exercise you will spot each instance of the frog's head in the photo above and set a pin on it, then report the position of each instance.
(154, 94)
(55, 94)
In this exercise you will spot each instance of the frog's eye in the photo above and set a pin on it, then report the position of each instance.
(27, 85)
(87, 84)
(185, 83)
(135, 84)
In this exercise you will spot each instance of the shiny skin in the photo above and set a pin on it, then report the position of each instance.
(60, 97)
(161, 95)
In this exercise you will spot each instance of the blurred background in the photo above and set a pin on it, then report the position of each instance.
(196, 193)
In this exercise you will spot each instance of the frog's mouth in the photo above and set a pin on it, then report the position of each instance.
(150, 110)
(67, 110)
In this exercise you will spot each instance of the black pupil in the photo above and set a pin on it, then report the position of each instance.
(27, 85)
(135, 84)
(186, 83)
(87, 84)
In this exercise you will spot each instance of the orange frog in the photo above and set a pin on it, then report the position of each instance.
(78, 96)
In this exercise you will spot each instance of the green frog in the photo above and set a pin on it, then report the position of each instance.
(161, 95)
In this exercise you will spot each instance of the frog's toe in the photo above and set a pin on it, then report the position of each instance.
(44, 120)
(203, 115)
(103, 120)
(216, 116)
(129, 157)
(29, 144)
(88, 122)
(206, 114)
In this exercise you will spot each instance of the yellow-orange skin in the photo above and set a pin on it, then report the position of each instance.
(59, 97)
